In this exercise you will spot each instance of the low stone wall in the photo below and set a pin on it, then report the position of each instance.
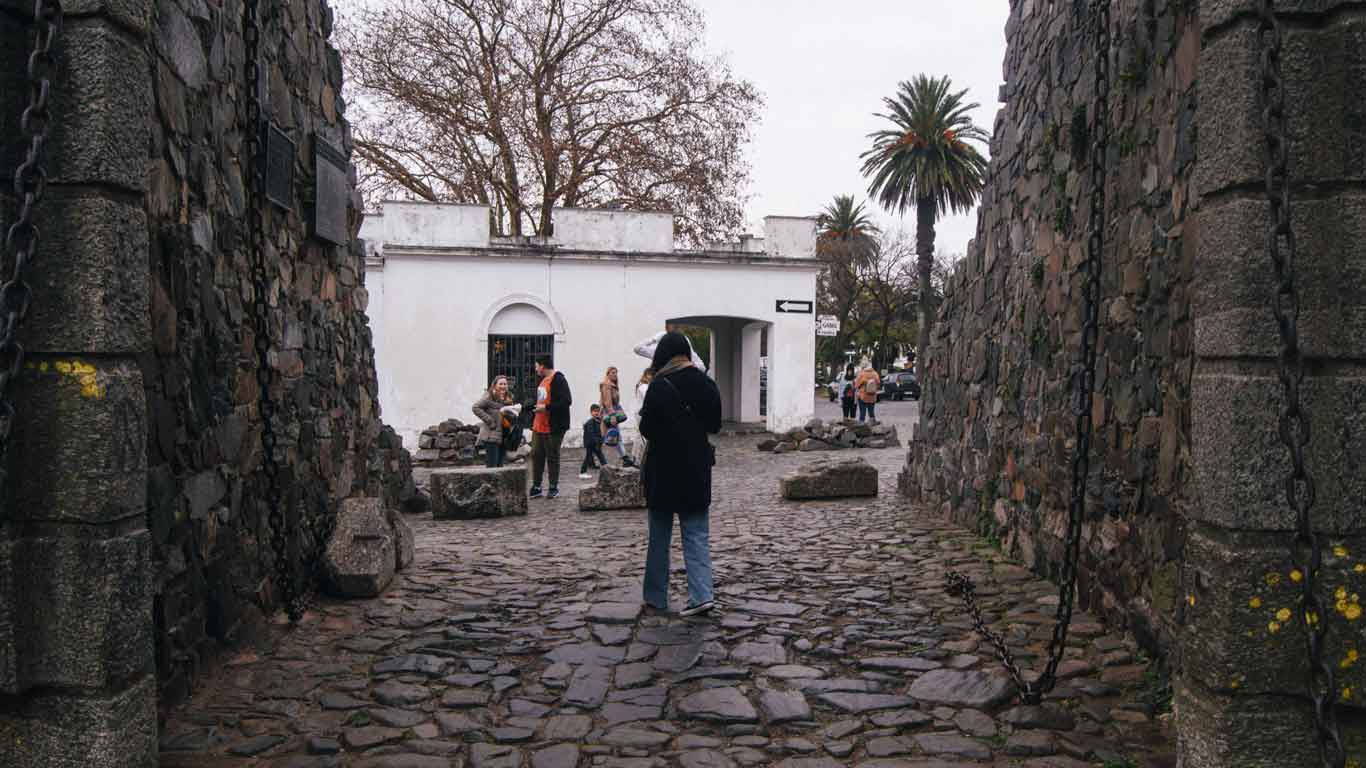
(841, 435)
(452, 443)
(996, 432)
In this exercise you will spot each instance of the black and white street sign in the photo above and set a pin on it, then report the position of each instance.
(794, 306)
(827, 325)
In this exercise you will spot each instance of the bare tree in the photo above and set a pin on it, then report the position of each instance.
(524, 105)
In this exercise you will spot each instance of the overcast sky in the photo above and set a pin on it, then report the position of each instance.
(824, 66)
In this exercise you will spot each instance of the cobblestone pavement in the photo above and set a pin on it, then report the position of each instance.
(521, 642)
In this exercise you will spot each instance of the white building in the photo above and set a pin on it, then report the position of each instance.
(450, 307)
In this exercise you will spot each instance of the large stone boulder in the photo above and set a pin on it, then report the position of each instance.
(469, 492)
(831, 479)
(360, 558)
(617, 488)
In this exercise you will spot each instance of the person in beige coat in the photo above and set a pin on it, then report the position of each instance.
(490, 410)
(609, 397)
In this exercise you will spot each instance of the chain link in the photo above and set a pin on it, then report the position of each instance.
(21, 239)
(1294, 422)
(284, 567)
(957, 584)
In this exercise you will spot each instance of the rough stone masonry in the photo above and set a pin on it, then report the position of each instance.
(136, 546)
(1186, 539)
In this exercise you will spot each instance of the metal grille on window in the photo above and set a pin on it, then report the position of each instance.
(514, 356)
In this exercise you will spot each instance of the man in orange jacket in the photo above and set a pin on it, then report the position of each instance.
(867, 386)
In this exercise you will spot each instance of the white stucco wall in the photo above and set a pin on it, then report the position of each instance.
(792, 237)
(416, 223)
(430, 313)
(626, 231)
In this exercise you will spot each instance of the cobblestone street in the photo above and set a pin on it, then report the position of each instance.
(520, 642)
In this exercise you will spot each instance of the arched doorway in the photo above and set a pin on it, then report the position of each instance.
(518, 334)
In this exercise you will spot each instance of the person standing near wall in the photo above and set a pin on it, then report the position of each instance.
(489, 410)
(868, 384)
(613, 415)
(646, 348)
(847, 392)
(642, 387)
(548, 426)
(682, 407)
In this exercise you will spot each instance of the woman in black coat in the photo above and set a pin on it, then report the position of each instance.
(682, 407)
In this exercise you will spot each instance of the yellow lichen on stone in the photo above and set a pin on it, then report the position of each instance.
(85, 374)
(1283, 615)
(1349, 659)
(1272, 579)
(1296, 576)
(1273, 627)
(1255, 602)
(1190, 599)
(1339, 550)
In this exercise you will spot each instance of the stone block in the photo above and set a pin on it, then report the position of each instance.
(1217, 13)
(831, 479)
(1215, 731)
(62, 729)
(1235, 289)
(90, 283)
(617, 488)
(130, 14)
(472, 492)
(1322, 69)
(405, 545)
(360, 557)
(1240, 464)
(1242, 634)
(83, 610)
(9, 675)
(83, 427)
(101, 105)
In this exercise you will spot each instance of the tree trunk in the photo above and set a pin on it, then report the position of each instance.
(924, 262)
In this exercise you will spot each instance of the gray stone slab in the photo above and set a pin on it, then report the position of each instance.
(831, 479)
(477, 492)
(978, 690)
(727, 705)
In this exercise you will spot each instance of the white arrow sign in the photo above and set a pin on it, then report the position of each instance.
(794, 306)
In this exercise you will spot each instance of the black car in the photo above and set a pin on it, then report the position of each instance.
(900, 386)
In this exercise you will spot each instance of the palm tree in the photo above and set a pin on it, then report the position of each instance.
(925, 159)
(845, 242)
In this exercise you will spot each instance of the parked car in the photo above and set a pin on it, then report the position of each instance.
(835, 387)
(900, 386)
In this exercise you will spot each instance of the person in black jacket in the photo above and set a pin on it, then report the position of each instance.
(682, 406)
(548, 425)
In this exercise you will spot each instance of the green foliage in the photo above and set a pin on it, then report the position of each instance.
(1079, 132)
(1038, 341)
(926, 154)
(1062, 206)
(1126, 763)
(701, 341)
(1157, 689)
(1135, 72)
(1128, 141)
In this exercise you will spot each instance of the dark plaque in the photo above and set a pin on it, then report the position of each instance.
(279, 170)
(330, 193)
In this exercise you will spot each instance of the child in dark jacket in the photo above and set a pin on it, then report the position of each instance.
(592, 443)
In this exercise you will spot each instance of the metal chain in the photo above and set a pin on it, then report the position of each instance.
(1294, 423)
(21, 240)
(284, 567)
(960, 585)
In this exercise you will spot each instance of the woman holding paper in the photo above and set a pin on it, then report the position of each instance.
(491, 410)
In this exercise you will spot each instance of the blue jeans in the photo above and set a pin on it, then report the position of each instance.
(696, 557)
(866, 409)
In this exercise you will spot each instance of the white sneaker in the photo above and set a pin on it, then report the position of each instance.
(700, 608)
(585, 476)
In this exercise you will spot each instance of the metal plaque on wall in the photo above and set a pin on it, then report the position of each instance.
(279, 167)
(330, 193)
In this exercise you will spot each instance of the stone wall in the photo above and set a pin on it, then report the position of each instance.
(993, 447)
(209, 525)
